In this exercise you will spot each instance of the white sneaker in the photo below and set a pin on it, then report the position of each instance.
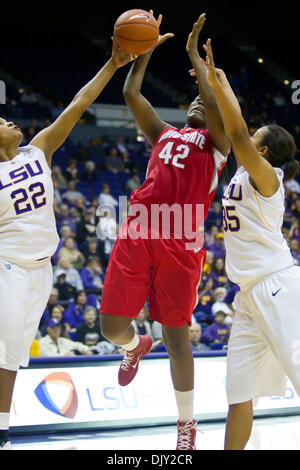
(6, 446)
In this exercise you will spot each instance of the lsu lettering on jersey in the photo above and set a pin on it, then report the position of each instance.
(184, 168)
(27, 223)
(255, 245)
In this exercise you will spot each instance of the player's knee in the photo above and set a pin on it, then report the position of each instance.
(107, 327)
(177, 347)
(240, 407)
(113, 327)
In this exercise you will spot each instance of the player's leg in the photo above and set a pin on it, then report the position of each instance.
(280, 318)
(19, 319)
(172, 299)
(126, 288)
(40, 283)
(238, 425)
(117, 330)
(7, 382)
(252, 372)
(13, 289)
(176, 341)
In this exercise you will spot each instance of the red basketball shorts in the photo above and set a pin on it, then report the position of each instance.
(162, 270)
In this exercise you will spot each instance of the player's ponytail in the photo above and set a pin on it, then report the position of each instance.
(281, 150)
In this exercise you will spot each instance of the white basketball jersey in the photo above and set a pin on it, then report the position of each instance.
(255, 246)
(27, 223)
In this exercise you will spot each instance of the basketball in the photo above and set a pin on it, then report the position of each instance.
(136, 31)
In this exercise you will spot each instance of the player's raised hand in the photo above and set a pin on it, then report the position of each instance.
(192, 42)
(162, 37)
(215, 77)
(119, 56)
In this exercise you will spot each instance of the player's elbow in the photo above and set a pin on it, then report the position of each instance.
(128, 88)
(129, 93)
(133, 99)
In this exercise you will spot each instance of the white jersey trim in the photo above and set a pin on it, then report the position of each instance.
(219, 159)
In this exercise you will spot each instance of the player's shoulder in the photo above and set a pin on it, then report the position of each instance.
(29, 150)
(241, 176)
(167, 132)
(32, 152)
(241, 172)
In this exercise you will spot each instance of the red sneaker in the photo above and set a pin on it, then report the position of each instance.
(130, 363)
(186, 435)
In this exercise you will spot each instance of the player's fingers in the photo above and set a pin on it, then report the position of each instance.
(114, 42)
(205, 48)
(132, 57)
(159, 19)
(193, 74)
(210, 51)
(205, 63)
(202, 18)
(164, 37)
(209, 56)
(196, 27)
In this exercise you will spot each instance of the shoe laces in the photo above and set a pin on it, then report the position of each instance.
(127, 359)
(185, 435)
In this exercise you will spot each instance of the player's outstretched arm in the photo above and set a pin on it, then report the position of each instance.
(51, 138)
(145, 115)
(215, 123)
(261, 172)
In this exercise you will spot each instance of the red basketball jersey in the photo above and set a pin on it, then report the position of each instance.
(183, 169)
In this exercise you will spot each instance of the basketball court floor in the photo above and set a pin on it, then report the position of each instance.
(268, 434)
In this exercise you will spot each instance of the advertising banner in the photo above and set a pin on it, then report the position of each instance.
(88, 395)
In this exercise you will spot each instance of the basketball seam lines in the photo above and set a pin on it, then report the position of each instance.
(135, 40)
(139, 24)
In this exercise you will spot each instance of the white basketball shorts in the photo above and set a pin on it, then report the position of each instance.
(264, 344)
(24, 293)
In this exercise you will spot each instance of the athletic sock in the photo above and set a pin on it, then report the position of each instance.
(185, 405)
(133, 343)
